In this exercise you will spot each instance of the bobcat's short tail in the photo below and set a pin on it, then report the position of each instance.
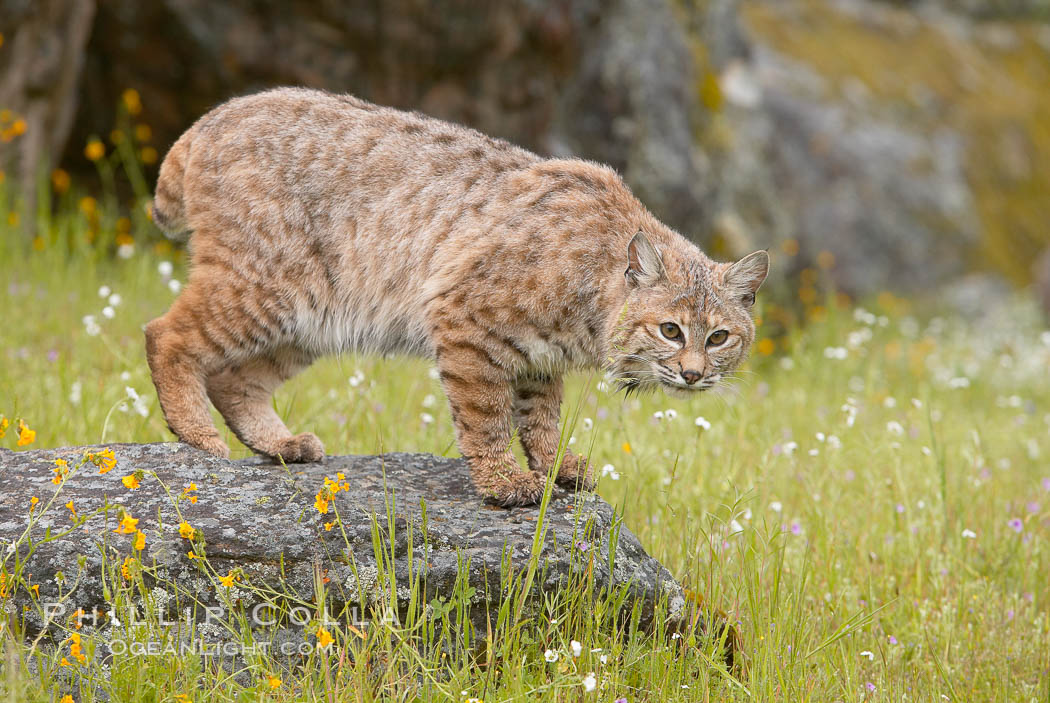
(168, 209)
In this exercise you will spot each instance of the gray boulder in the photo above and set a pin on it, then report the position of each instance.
(261, 518)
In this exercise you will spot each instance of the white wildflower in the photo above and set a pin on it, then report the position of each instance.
(820, 437)
(576, 647)
(959, 382)
(75, 392)
(588, 423)
(702, 423)
(658, 415)
(787, 363)
(104, 292)
(776, 506)
(969, 534)
(108, 312)
(115, 300)
(164, 268)
(814, 452)
(735, 527)
(790, 447)
(834, 442)
(894, 427)
(550, 655)
(426, 418)
(429, 400)
(868, 654)
(670, 414)
(916, 403)
(889, 402)
(589, 682)
(174, 286)
(836, 353)
(126, 251)
(91, 326)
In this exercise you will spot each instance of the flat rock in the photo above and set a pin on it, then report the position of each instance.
(261, 518)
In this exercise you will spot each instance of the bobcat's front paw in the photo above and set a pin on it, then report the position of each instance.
(506, 484)
(209, 442)
(576, 471)
(302, 448)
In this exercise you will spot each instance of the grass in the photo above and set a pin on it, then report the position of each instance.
(827, 509)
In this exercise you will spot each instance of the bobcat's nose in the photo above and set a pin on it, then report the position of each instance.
(691, 376)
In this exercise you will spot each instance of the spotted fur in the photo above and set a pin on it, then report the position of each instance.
(320, 224)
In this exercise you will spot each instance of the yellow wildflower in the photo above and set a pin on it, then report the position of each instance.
(228, 579)
(32, 503)
(125, 571)
(60, 180)
(65, 662)
(35, 588)
(127, 525)
(67, 699)
(323, 638)
(88, 206)
(143, 133)
(71, 508)
(626, 447)
(186, 530)
(140, 540)
(94, 150)
(329, 525)
(321, 504)
(131, 481)
(273, 681)
(25, 435)
(132, 101)
(4, 424)
(191, 555)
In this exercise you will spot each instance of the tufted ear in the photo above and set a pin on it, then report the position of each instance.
(744, 277)
(644, 265)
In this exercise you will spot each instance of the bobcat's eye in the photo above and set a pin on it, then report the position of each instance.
(717, 338)
(671, 331)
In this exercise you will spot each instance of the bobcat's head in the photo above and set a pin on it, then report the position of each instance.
(686, 323)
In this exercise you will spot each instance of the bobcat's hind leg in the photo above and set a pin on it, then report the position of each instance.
(180, 356)
(537, 409)
(242, 394)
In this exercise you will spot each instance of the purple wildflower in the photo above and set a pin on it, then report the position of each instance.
(892, 639)
(1015, 524)
(900, 507)
(583, 545)
(870, 686)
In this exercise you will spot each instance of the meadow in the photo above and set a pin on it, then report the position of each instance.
(868, 502)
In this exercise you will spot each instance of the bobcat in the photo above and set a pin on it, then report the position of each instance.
(321, 223)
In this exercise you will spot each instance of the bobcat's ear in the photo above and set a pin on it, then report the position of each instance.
(744, 277)
(644, 265)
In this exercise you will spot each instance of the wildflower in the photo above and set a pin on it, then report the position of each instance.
(969, 534)
(658, 415)
(65, 662)
(790, 447)
(776, 506)
(620, 700)
(186, 531)
(25, 435)
(61, 471)
(321, 504)
(67, 699)
(131, 481)
(735, 527)
(583, 545)
(127, 525)
(589, 682)
(894, 427)
(610, 471)
(108, 312)
(191, 555)
(94, 150)
(72, 509)
(132, 101)
(1016, 524)
(626, 447)
(870, 686)
(429, 400)
(32, 503)
(174, 286)
(4, 424)
(323, 638)
(836, 353)
(702, 423)
(273, 682)
(550, 655)
(577, 648)
(60, 181)
(91, 326)
(329, 525)
(891, 639)
(140, 540)
(796, 527)
(426, 418)
(36, 589)
(125, 571)
(588, 423)
(228, 579)
(165, 268)
(868, 654)
(105, 460)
